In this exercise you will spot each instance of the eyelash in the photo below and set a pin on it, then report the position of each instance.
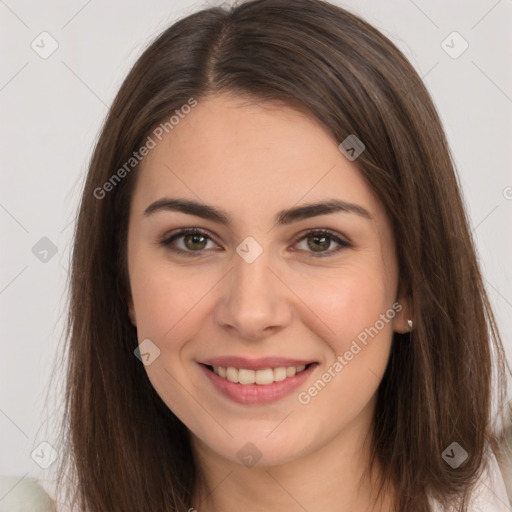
(167, 242)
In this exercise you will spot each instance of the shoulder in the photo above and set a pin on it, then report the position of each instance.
(24, 494)
(489, 494)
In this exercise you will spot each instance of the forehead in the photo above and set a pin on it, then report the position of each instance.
(251, 158)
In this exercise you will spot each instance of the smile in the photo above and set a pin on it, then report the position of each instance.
(259, 386)
(261, 377)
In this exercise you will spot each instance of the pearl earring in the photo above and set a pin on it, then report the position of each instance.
(410, 323)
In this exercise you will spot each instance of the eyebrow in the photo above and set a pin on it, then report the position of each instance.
(282, 218)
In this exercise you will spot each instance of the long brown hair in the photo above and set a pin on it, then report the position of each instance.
(125, 449)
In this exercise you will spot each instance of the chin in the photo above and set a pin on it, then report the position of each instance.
(258, 450)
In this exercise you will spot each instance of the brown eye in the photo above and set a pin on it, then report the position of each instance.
(320, 241)
(192, 241)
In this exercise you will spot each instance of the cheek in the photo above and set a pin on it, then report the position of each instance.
(349, 303)
(168, 301)
(359, 314)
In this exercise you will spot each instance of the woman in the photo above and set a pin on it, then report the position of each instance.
(275, 299)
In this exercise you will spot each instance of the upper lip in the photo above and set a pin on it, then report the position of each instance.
(255, 364)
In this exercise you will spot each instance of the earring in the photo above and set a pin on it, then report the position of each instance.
(410, 323)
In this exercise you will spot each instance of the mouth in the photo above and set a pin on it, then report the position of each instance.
(263, 377)
(257, 386)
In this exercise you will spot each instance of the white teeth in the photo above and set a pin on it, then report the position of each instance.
(262, 377)
(232, 374)
(279, 374)
(291, 371)
(246, 376)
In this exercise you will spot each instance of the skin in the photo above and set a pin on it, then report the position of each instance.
(253, 159)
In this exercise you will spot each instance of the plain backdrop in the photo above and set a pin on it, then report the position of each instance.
(52, 107)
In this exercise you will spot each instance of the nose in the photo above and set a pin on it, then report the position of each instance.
(254, 302)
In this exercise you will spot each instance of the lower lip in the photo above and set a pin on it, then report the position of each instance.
(258, 393)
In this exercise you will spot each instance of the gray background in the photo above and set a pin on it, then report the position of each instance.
(52, 108)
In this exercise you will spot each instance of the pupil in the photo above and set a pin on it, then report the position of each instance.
(326, 241)
(195, 238)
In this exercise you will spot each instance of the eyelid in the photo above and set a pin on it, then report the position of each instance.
(168, 238)
(338, 238)
(333, 234)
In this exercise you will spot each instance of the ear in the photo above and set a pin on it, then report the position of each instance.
(403, 314)
(131, 311)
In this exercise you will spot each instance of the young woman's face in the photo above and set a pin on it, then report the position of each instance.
(253, 291)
